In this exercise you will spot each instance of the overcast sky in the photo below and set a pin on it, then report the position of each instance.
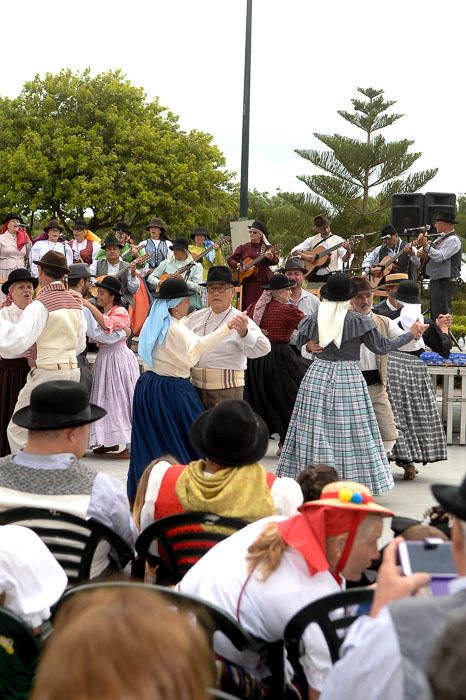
(308, 59)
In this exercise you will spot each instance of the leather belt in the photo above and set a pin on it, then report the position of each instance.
(60, 365)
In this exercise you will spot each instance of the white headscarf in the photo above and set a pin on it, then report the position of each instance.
(330, 320)
(30, 577)
(409, 314)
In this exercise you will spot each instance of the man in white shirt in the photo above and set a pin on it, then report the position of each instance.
(47, 473)
(54, 327)
(326, 239)
(219, 373)
(306, 302)
(385, 655)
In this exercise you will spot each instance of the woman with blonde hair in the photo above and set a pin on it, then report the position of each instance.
(124, 643)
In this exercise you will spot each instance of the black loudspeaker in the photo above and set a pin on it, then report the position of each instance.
(407, 211)
(436, 202)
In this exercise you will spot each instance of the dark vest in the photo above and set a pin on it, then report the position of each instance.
(382, 309)
(402, 262)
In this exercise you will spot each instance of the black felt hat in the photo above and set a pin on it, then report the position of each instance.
(387, 231)
(199, 231)
(180, 243)
(279, 281)
(295, 263)
(58, 405)
(218, 273)
(79, 271)
(259, 226)
(12, 215)
(339, 287)
(19, 275)
(121, 226)
(156, 223)
(111, 284)
(111, 240)
(173, 288)
(452, 498)
(230, 434)
(408, 292)
(445, 216)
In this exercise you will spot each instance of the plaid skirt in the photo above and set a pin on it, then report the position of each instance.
(421, 435)
(333, 423)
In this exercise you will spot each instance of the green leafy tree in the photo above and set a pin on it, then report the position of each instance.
(73, 144)
(362, 175)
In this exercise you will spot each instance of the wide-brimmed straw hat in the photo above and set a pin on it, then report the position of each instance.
(231, 434)
(348, 495)
(393, 279)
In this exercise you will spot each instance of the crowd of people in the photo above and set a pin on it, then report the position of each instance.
(199, 362)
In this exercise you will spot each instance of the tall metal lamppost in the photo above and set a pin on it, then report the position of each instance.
(243, 197)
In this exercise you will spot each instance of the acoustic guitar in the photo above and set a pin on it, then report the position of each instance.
(320, 256)
(182, 270)
(383, 268)
(248, 267)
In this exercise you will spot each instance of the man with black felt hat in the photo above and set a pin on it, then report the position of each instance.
(54, 327)
(387, 654)
(220, 373)
(229, 480)
(183, 265)
(443, 263)
(47, 473)
(114, 265)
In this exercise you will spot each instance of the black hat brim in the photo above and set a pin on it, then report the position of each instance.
(450, 499)
(115, 245)
(291, 283)
(6, 285)
(252, 454)
(404, 300)
(353, 293)
(199, 233)
(57, 268)
(109, 288)
(157, 295)
(33, 420)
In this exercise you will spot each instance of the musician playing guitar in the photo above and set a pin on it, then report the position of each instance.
(201, 241)
(173, 267)
(324, 238)
(259, 247)
(442, 257)
(377, 263)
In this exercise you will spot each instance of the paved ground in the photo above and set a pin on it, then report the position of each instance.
(409, 498)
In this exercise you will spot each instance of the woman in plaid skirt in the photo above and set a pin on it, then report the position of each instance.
(333, 420)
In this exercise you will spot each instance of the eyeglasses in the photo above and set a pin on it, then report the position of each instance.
(219, 287)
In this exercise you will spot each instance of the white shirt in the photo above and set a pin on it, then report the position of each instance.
(370, 665)
(286, 494)
(98, 334)
(266, 606)
(16, 338)
(78, 247)
(232, 352)
(39, 249)
(182, 349)
(307, 303)
(329, 242)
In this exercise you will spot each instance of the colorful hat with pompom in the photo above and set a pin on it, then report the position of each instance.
(348, 495)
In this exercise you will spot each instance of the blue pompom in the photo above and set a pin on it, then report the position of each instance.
(357, 498)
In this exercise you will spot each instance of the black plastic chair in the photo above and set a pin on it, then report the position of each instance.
(72, 540)
(180, 546)
(333, 628)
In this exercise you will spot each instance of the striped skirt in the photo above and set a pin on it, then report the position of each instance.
(333, 423)
(421, 435)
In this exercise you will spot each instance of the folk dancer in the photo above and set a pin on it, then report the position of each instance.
(55, 323)
(171, 266)
(324, 237)
(272, 381)
(78, 284)
(252, 285)
(165, 402)
(14, 246)
(53, 240)
(443, 266)
(220, 372)
(113, 265)
(333, 420)
(306, 302)
(85, 245)
(18, 291)
(421, 436)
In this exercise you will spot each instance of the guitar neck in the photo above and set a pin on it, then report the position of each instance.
(392, 260)
(259, 258)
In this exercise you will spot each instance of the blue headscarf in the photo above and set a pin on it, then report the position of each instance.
(155, 327)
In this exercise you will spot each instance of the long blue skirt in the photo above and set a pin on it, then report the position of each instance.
(164, 408)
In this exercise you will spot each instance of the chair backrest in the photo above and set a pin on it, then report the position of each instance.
(333, 617)
(72, 540)
(182, 540)
(26, 644)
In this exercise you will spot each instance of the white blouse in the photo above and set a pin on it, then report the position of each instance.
(40, 248)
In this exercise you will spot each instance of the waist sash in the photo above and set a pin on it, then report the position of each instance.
(211, 379)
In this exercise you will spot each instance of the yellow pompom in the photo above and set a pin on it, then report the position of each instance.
(345, 495)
